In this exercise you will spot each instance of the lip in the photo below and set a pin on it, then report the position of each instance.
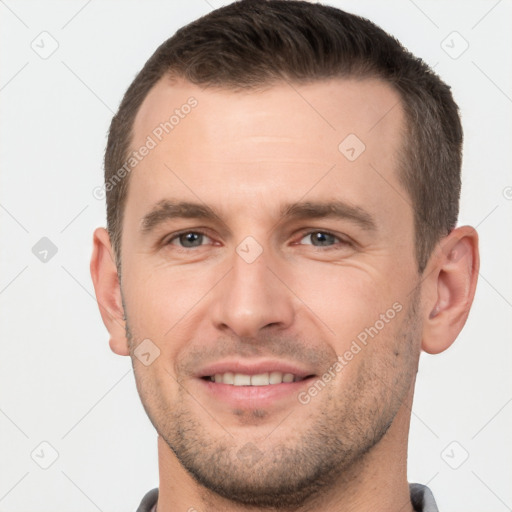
(253, 368)
(252, 397)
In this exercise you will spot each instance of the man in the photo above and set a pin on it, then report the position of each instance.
(282, 187)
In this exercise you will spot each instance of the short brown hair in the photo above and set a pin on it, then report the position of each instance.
(250, 43)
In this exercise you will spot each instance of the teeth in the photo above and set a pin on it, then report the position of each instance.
(262, 379)
(276, 378)
(242, 380)
(227, 378)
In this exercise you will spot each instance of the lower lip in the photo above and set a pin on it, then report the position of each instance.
(254, 396)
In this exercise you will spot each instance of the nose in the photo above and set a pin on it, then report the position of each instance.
(252, 297)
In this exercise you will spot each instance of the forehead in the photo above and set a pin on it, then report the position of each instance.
(216, 144)
(329, 108)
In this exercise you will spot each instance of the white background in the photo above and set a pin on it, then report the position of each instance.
(60, 383)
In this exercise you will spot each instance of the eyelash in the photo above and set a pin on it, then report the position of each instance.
(344, 242)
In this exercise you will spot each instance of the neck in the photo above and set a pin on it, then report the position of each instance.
(378, 481)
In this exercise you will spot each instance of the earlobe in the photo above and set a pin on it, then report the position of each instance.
(108, 291)
(452, 284)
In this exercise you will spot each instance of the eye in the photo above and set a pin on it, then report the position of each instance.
(189, 239)
(321, 239)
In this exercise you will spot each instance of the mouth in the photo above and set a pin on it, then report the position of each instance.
(260, 379)
(249, 385)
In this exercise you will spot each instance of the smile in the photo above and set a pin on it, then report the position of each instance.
(261, 379)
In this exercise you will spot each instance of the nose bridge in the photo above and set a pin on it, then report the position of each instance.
(251, 297)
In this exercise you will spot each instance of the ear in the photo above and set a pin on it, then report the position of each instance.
(450, 288)
(108, 291)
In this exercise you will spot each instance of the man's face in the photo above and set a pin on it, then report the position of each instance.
(262, 288)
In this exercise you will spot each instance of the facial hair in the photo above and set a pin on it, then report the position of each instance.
(316, 455)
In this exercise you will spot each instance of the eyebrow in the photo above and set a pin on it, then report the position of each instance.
(166, 210)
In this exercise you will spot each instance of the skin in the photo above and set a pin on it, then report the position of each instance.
(245, 154)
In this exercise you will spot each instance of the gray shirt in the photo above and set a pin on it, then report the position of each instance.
(421, 498)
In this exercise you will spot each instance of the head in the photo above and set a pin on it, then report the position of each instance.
(288, 212)
(249, 45)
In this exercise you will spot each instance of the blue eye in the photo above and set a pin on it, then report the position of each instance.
(188, 240)
(321, 239)
(196, 239)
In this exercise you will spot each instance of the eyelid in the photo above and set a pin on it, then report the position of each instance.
(344, 239)
(167, 240)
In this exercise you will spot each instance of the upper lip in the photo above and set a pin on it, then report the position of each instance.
(253, 368)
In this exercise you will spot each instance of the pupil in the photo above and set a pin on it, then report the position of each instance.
(322, 238)
(191, 239)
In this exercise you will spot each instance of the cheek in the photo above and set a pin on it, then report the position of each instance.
(341, 299)
(347, 299)
(159, 297)
(168, 306)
